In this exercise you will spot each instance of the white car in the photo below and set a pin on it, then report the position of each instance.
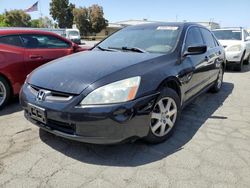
(236, 42)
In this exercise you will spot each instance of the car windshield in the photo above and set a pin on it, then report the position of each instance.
(228, 34)
(73, 33)
(159, 39)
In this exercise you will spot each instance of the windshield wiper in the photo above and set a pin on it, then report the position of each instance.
(133, 49)
(105, 49)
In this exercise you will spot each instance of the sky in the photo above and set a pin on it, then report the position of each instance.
(225, 12)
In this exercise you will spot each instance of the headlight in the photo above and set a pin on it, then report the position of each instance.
(234, 48)
(117, 92)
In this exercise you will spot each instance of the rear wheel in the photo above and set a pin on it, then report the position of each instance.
(217, 86)
(164, 116)
(4, 92)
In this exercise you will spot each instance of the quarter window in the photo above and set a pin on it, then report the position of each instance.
(43, 41)
(12, 40)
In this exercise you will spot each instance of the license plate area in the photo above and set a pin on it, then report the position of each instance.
(37, 113)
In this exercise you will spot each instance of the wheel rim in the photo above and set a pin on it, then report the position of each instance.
(163, 116)
(2, 93)
(220, 78)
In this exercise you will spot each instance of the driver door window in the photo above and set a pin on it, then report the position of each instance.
(193, 37)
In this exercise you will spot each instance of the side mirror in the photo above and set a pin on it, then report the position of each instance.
(248, 38)
(195, 50)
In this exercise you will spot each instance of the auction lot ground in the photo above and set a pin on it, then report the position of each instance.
(210, 148)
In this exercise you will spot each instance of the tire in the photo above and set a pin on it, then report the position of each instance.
(164, 116)
(240, 65)
(5, 92)
(218, 83)
(246, 62)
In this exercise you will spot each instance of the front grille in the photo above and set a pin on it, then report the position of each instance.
(52, 95)
(61, 126)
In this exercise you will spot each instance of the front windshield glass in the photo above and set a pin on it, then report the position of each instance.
(228, 34)
(160, 39)
(73, 33)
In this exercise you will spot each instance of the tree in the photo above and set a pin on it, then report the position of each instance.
(2, 21)
(90, 20)
(35, 23)
(42, 22)
(17, 18)
(96, 18)
(81, 19)
(46, 22)
(62, 12)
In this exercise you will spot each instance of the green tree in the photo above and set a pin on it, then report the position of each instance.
(46, 22)
(90, 20)
(96, 18)
(17, 18)
(81, 19)
(2, 21)
(35, 23)
(62, 12)
(42, 22)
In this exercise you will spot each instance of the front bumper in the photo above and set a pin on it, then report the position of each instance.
(234, 57)
(102, 124)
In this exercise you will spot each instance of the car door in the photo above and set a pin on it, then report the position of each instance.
(247, 42)
(198, 74)
(40, 49)
(12, 60)
(212, 55)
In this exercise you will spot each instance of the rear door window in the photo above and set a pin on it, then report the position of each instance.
(44, 41)
(13, 40)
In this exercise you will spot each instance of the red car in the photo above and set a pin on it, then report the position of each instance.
(21, 51)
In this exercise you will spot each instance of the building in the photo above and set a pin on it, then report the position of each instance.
(113, 27)
(210, 25)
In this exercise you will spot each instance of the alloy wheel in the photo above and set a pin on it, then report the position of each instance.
(163, 116)
(220, 78)
(2, 93)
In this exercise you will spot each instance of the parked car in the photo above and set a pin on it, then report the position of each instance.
(236, 42)
(21, 51)
(131, 85)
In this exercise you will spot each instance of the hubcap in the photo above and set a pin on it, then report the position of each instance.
(2, 93)
(220, 78)
(163, 116)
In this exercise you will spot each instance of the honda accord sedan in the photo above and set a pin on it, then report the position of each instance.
(131, 85)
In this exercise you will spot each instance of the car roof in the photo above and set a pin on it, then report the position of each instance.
(158, 24)
(228, 28)
(25, 31)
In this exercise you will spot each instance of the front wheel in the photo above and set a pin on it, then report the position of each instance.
(164, 116)
(247, 61)
(239, 66)
(4, 92)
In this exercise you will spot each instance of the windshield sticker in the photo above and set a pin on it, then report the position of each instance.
(172, 28)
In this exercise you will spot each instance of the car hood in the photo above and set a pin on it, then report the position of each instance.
(72, 74)
(226, 43)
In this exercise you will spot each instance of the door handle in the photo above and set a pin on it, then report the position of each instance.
(36, 57)
(219, 52)
(206, 58)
